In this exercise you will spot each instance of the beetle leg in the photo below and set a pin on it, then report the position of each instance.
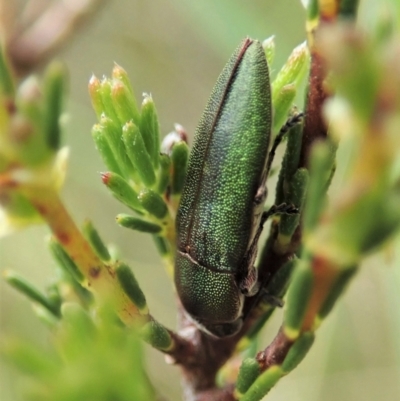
(291, 122)
(283, 208)
(248, 279)
(272, 300)
(260, 195)
(249, 285)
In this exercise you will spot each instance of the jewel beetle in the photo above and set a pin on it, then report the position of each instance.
(220, 211)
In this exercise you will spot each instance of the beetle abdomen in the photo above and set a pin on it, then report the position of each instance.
(205, 294)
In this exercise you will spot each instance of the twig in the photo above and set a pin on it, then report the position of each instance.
(30, 44)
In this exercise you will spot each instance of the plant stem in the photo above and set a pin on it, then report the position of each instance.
(99, 277)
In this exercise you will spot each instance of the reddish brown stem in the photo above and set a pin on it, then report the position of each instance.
(314, 125)
(276, 352)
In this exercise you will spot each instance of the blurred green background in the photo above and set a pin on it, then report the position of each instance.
(175, 50)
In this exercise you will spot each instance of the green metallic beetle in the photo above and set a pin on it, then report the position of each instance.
(220, 213)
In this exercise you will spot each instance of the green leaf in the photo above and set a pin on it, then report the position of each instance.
(153, 203)
(298, 296)
(122, 191)
(298, 351)
(95, 95)
(29, 290)
(348, 8)
(124, 103)
(28, 131)
(107, 101)
(138, 153)
(135, 223)
(293, 71)
(164, 173)
(293, 150)
(312, 10)
(113, 132)
(280, 282)
(7, 88)
(70, 272)
(150, 129)
(162, 245)
(321, 164)
(248, 373)
(65, 261)
(179, 157)
(121, 75)
(282, 106)
(131, 287)
(156, 335)
(296, 193)
(263, 384)
(95, 241)
(54, 86)
(102, 145)
(269, 49)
